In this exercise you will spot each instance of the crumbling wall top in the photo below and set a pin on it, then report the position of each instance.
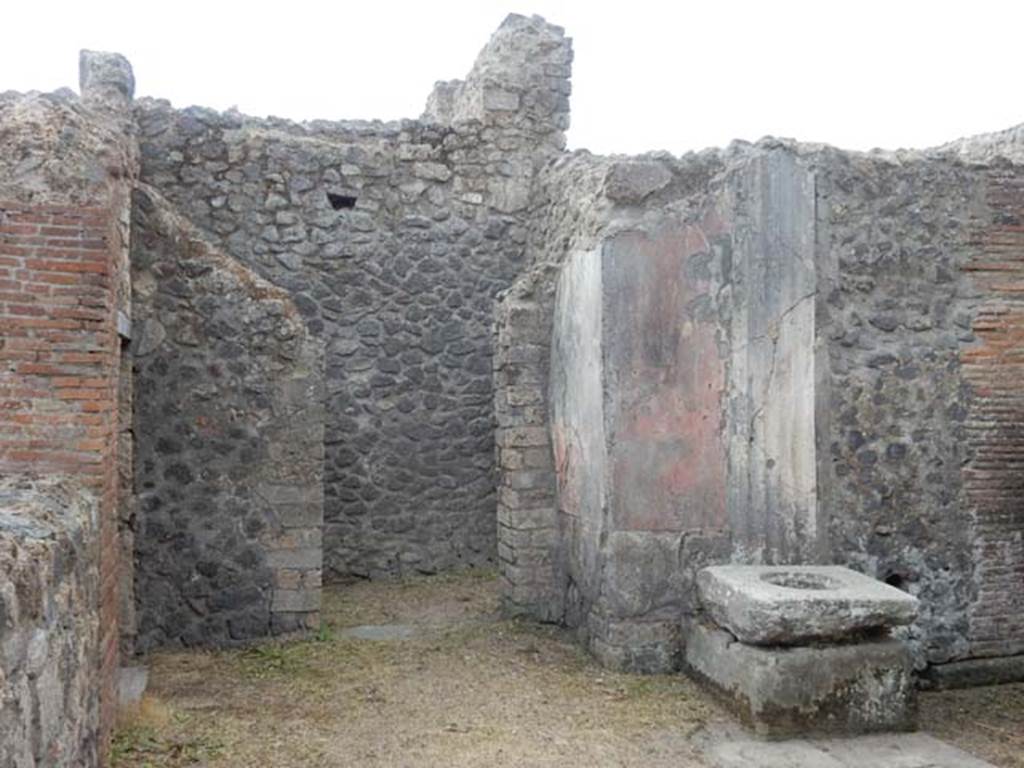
(60, 148)
(105, 79)
(520, 78)
(989, 148)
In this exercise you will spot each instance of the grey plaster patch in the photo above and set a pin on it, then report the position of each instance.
(793, 604)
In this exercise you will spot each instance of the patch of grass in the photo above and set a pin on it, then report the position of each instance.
(325, 634)
(287, 658)
(384, 602)
(314, 664)
(274, 660)
(143, 739)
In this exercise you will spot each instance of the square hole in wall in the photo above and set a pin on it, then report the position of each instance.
(341, 202)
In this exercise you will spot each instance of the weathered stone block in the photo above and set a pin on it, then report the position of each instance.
(307, 558)
(632, 181)
(645, 647)
(781, 692)
(641, 573)
(794, 604)
(106, 78)
(295, 600)
(523, 437)
(500, 99)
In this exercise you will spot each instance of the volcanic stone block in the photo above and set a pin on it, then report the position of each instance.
(791, 605)
(783, 692)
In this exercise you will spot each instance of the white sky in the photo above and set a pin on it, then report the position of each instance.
(648, 75)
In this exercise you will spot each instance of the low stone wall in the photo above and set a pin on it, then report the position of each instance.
(49, 624)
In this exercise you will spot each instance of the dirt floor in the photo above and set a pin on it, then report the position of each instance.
(987, 722)
(455, 686)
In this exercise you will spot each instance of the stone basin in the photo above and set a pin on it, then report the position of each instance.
(800, 604)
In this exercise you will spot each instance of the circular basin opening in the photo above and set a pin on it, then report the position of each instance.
(797, 580)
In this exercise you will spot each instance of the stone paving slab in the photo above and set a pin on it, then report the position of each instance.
(131, 685)
(379, 632)
(908, 750)
(796, 604)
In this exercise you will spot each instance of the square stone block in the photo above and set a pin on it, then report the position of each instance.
(799, 604)
(823, 690)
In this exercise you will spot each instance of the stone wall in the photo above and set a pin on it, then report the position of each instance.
(612, 219)
(851, 319)
(49, 624)
(684, 455)
(229, 444)
(66, 167)
(895, 313)
(919, 314)
(394, 240)
(363, 349)
(571, 211)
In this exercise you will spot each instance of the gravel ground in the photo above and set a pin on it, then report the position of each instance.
(453, 684)
(987, 722)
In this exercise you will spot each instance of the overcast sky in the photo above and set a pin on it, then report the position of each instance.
(648, 75)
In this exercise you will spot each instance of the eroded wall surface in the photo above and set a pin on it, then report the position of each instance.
(704, 425)
(768, 353)
(393, 239)
(920, 316)
(49, 624)
(229, 426)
